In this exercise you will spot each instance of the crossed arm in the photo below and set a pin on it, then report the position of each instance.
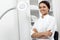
(44, 35)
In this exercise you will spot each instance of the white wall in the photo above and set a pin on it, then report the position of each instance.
(9, 23)
(56, 11)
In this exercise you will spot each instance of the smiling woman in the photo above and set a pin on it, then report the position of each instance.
(44, 7)
(45, 27)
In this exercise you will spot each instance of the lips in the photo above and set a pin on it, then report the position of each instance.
(42, 10)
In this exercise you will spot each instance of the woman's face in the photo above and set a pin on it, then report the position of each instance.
(43, 8)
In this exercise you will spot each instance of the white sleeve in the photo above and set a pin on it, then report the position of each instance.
(34, 26)
(52, 26)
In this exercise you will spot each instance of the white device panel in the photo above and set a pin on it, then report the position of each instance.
(23, 10)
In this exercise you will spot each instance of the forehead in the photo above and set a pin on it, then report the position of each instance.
(42, 4)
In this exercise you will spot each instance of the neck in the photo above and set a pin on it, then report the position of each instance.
(43, 15)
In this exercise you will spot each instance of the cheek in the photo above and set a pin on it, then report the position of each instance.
(43, 10)
(46, 9)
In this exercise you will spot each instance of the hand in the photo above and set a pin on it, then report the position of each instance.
(42, 35)
(35, 30)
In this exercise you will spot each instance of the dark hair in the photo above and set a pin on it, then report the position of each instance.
(45, 2)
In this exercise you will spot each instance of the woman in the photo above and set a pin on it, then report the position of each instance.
(45, 26)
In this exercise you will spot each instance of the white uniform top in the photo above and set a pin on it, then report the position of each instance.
(45, 24)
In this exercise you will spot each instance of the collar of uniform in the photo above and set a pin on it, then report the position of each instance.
(44, 16)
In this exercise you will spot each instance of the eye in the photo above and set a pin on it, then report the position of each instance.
(44, 7)
(40, 7)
